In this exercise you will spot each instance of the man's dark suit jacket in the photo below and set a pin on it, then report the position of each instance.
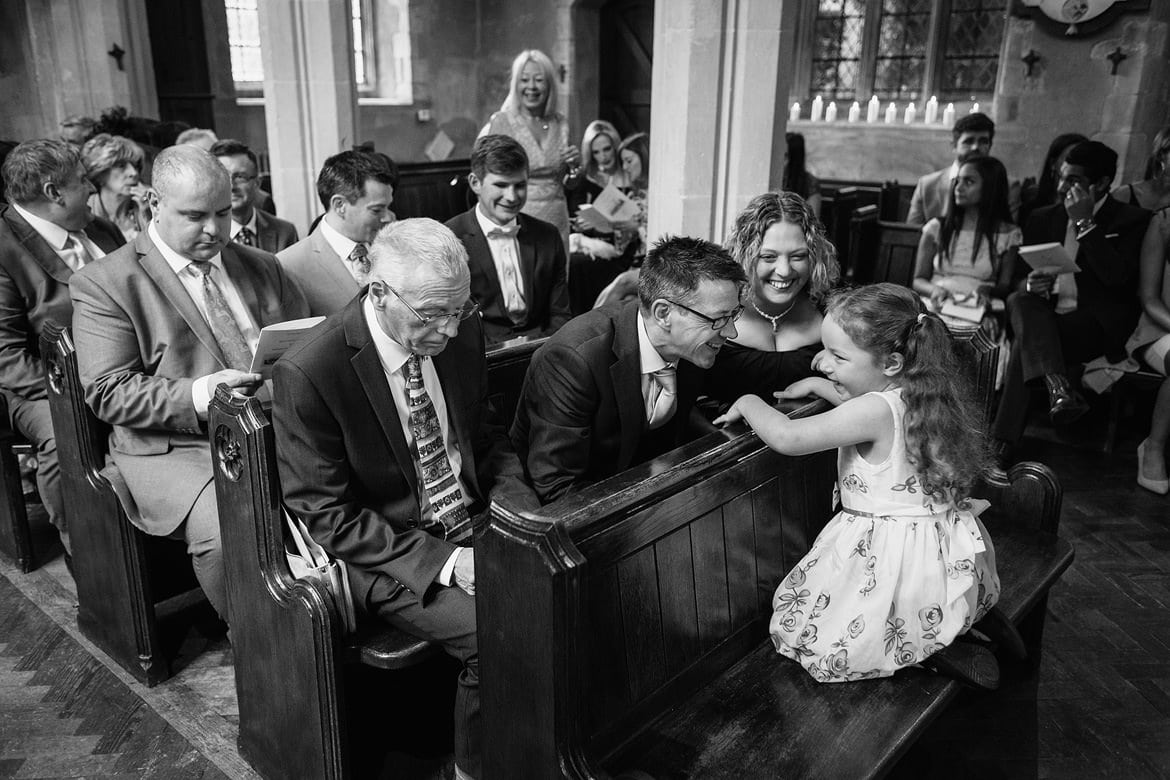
(34, 289)
(542, 267)
(345, 467)
(581, 416)
(274, 234)
(1108, 257)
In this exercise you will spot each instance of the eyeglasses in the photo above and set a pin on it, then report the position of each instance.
(239, 178)
(469, 308)
(716, 323)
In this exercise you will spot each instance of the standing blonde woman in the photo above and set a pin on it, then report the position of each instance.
(529, 114)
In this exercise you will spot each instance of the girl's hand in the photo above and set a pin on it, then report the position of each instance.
(813, 386)
(938, 296)
(735, 413)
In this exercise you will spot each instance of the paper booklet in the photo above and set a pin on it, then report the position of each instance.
(615, 206)
(968, 311)
(276, 339)
(1050, 258)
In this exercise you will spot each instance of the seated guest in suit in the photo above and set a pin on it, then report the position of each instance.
(251, 226)
(1073, 318)
(389, 451)
(330, 264)
(517, 262)
(615, 386)
(791, 266)
(46, 234)
(971, 135)
(158, 325)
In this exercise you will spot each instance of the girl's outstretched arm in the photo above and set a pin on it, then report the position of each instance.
(812, 386)
(863, 420)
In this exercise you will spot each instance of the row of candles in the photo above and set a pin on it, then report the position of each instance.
(873, 108)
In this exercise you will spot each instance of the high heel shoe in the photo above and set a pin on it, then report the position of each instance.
(1159, 486)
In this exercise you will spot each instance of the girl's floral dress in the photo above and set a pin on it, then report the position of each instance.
(894, 577)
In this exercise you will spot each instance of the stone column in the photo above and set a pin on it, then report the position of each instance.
(719, 89)
(310, 102)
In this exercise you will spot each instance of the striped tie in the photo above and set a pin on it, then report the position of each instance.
(442, 488)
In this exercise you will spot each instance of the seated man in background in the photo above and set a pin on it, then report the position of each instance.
(330, 264)
(158, 325)
(1075, 317)
(616, 385)
(389, 452)
(46, 235)
(251, 225)
(517, 262)
(973, 135)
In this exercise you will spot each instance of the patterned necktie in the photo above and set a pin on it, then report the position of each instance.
(76, 252)
(245, 237)
(224, 327)
(661, 404)
(442, 488)
(361, 263)
(1066, 284)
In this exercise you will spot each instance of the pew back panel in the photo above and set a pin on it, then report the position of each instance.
(506, 366)
(16, 542)
(436, 190)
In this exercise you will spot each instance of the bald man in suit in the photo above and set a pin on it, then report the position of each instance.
(158, 325)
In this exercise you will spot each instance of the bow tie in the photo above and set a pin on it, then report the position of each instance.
(504, 232)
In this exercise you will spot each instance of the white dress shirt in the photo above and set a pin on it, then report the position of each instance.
(251, 225)
(56, 236)
(343, 247)
(650, 361)
(393, 357)
(192, 281)
(1065, 285)
(506, 257)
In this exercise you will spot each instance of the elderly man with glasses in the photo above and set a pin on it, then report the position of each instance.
(615, 386)
(390, 453)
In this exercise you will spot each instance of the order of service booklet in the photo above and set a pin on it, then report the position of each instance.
(1050, 258)
(276, 339)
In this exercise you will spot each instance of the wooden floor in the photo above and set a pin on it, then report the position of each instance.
(1098, 707)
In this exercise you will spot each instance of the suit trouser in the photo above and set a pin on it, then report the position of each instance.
(200, 530)
(1044, 343)
(449, 619)
(33, 421)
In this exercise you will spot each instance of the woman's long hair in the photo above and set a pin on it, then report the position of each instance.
(639, 144)
(1156, 164)
(599, 127)
(944, 430)
(513, 102)
(795, 175)
(993, 209)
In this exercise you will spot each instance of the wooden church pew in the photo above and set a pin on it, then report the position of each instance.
(15, 533)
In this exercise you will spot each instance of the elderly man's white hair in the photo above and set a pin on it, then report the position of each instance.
(197, 136)
(401, 248)
(183, 166)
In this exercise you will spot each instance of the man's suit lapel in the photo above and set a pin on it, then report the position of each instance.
(524, 239)
(479, 254)
(37, 247)
(265, 232)
(237, 269)
(156, 267)
(331, 267)
(368, 367)
(98, 232)
(448, 364)
(626, 373)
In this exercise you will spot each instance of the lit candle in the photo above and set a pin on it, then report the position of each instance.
(871, 113)
(949, 114)
(932, 110)
(831, 112)
(974, 108)
(794, 114)
(891, 113)
(818, 106)
(855, 111)
(911, 114)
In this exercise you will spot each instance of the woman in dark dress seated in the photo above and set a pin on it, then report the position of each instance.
(790, 266)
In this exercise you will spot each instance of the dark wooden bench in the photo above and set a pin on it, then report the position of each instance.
(293, 663)
(131, 587)
(837, 216)
(884, 251)
(635, 613)
(436, 190)
(16, 542)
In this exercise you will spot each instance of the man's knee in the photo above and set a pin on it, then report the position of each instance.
(202, 525)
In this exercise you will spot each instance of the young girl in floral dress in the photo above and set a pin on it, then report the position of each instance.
(905, 567)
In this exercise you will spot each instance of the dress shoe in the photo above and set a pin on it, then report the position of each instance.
(1159, 486)
(1001, 630)
(1065, 405)
(968, 663)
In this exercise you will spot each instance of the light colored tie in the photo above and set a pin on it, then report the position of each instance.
(236, 352)
(663, 398)
(1066, 284)
(76, 252)
(245, 237)
(504, 231)
(439, 480)
(359, 257)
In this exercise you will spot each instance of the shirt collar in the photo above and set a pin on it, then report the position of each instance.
(251, 225)
(340, 244)
(54, 234)
(953, 170)
(392, 354)
(175, 260)
(485, 224)
(647, 355)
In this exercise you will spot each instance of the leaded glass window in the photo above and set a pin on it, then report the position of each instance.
(838, 42)
(974, 32)
(900, 65)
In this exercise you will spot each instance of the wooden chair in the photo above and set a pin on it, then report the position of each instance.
(894, 256)
(130, 586)
(837, 216)
(15, 533)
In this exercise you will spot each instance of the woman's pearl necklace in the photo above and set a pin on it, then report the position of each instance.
(775, 320)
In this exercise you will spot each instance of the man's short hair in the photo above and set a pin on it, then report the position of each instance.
(1096, 158)
(194, 135)
(499, 154)
(403, 246)
(973, 123)
(32, 164)
(676, 265)
(345, 174)
(186, 165)
(230, 147)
